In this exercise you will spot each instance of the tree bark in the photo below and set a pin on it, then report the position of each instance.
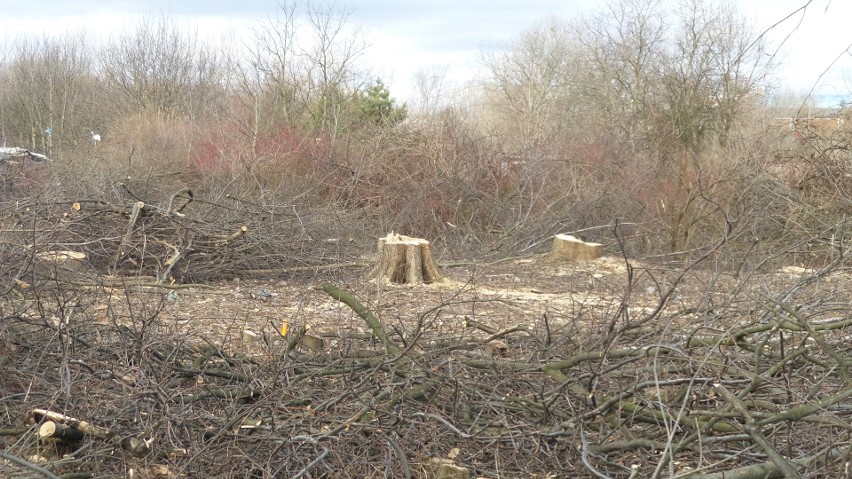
(85, 427)
(405, 260)
(60, 432)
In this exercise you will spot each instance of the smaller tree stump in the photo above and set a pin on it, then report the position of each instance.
(440, 468)
(405, 260)
(61, 265)
(567, 247)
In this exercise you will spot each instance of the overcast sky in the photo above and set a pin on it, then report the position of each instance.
(405, 36)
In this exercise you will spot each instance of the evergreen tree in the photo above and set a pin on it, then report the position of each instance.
(376, 107)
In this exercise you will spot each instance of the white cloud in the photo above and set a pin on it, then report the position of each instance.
(808, 42)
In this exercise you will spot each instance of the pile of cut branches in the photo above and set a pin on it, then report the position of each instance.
(181, 239)
(749, 381)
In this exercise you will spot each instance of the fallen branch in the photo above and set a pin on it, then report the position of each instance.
(37, 415)
(777, 459)
(768, 470)
(365, 314)
(27, 464)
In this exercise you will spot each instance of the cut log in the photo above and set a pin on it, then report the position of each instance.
(59, 432)
(405, 260)
(567, 247)
(85, 427)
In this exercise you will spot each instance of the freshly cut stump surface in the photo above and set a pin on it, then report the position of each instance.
(567, 247)
(405, 260)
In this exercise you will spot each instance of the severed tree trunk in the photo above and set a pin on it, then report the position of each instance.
(567, 247)
(65, 266)
(405, 260)
(59, 432)
(58, 420)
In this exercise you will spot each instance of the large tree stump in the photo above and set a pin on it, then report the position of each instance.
(567, 247)
(405, 260)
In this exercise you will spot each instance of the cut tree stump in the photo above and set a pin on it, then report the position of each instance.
(61, 265)
(567, 247)
(441, 468)
(405, 260)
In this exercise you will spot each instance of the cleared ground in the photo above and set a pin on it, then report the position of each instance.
(518, 368)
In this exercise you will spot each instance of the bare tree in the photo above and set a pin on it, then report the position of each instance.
(718, 63)
(431, 86)
(638, 92)
(268, 82)
(303, 67)
(159, 67)
(530, 83)
(625, 47)
(329, 63)
(47, 93)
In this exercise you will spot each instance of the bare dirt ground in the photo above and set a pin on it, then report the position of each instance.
(518, 292)
(506, 294)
